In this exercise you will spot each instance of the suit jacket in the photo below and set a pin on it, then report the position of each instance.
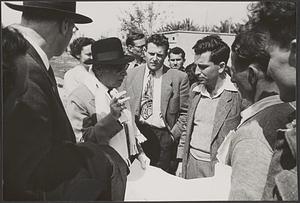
(39, 150)
(174, 96)
(227, 118)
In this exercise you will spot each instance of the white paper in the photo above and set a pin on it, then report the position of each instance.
(154, 184)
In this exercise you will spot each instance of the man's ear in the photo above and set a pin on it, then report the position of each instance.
(222, 66)
(129, 47)
(253, 75)
(64, 25)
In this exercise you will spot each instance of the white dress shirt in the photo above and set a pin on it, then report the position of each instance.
(156, 118)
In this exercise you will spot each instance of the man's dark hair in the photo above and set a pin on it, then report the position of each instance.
(177, 50)
(251, 47)
(77, 44)
(132, 37)
(158, 40)
(219, 49)
(278, 17)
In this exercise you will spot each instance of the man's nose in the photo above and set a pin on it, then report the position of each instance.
(198, 71)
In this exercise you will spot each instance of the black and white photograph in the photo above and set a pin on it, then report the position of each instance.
(149, 100)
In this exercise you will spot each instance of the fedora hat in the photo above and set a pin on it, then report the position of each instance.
(108, 51)
(63, 8)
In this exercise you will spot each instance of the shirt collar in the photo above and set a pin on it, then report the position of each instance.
(158, 72)
(35, 40)
(259, 106)
(227, 85)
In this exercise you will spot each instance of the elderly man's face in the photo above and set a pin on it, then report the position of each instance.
(282, 68)
(112, 76)
(155, 56)
(176, 60)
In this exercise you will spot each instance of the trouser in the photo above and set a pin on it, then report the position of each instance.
(198, 168)
(159, 147)
(104, 178)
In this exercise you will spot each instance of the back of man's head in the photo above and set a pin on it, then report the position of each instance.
(278, 17)
(133, 37)
(219, 49)
(250, 47)
(177, 50)
(159, 40)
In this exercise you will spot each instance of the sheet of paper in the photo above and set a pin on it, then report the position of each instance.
(154, 184)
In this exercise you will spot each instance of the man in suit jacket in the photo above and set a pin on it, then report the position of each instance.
(41, 159)
(159, 101)
(214, 110)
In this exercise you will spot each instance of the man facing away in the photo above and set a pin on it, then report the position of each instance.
(159, 101)
(214, 110)
(81, 50)
(135, 43)
(279, 19)
(41, 158)
(251, 145)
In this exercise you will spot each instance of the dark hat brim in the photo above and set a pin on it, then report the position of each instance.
(125, 59)
(76, 18)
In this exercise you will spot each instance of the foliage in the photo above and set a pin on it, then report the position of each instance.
(186, 24)
(140, 20)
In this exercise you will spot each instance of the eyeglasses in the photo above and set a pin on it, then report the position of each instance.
(75, 29)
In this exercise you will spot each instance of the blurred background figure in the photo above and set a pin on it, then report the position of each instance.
(135, 43)
(80, 49)
(176, 58)
(278, 18)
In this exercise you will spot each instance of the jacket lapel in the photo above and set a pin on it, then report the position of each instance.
(137, 88)
(33, 53)
(166, 90)
(191, 113)
(223, 108)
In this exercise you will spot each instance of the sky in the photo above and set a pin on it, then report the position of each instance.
(106, 15)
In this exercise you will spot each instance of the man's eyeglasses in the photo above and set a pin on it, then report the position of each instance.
(75, 29)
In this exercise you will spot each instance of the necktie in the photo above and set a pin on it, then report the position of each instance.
(147, 97)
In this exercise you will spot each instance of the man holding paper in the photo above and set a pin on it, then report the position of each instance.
(98, 112)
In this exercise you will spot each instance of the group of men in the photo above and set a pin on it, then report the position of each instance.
(121, 107)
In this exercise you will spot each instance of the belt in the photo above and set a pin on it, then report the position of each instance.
(152, 126)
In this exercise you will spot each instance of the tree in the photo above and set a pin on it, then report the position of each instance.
(140, 20)
(186, 24)
(227, 26)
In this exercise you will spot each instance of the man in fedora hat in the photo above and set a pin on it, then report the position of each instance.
(41, 158)
(98, 112)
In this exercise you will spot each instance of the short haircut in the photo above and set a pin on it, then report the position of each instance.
(77, 44)
(251, 47)
(177, 50)
(278, 17)
(219, 49)
(158, 40)
(132, 37)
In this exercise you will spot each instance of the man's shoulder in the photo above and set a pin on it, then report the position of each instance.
(176, 74)
(82, 93)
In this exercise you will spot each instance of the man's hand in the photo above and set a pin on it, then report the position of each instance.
(179, 170)
(117, 104)
(144, 160)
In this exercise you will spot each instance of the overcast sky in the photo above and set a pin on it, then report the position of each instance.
(106, 14)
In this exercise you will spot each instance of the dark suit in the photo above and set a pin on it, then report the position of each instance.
(41, 159)
(174, 105)
(227, 118)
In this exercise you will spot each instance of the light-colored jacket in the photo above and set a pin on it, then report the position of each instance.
(174, 96)
(227, 118)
